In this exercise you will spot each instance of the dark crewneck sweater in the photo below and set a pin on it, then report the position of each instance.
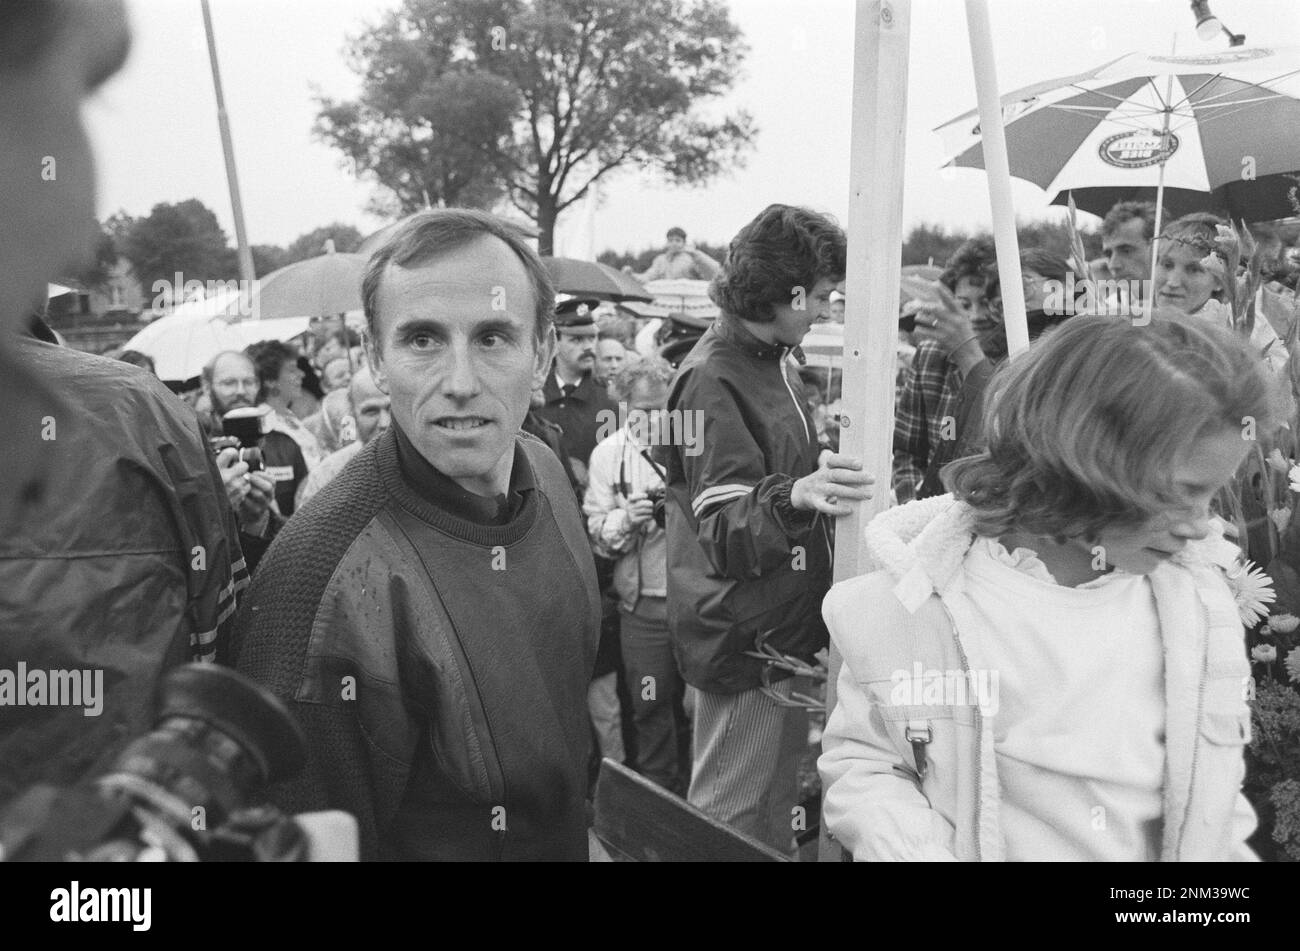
(466, 736)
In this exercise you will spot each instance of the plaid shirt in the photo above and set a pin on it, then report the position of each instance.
(930, 394)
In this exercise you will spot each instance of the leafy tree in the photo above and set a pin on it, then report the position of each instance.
(467, 100)
(268, 258)
(183, 238)
(312, 244)
(96, 272)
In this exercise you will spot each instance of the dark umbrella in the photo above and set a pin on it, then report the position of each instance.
(591, 279)
(1261, 199)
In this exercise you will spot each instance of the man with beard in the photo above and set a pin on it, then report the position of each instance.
(231, 381)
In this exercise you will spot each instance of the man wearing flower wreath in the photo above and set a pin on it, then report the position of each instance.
(1049, 662)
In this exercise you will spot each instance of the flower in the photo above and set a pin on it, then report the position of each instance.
(1277, 462)
(1292, 663)
(1294, 476)
(1263, 654)
(1283, 623)
(1281, 517)
(1252, 590)
(1214, 264)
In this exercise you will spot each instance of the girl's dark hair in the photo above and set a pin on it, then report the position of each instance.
(782, 250)
(310, 379)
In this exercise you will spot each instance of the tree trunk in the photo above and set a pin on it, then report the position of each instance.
(546, 225)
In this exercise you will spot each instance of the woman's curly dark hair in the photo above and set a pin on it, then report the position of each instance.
(269, 357)
(783, 249)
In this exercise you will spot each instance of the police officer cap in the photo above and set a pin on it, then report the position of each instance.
(576, 312)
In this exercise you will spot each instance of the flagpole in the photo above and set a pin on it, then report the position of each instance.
(998, 168)
(246, 272)
(875, 239)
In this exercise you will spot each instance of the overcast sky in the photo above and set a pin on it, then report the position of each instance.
(155, 126)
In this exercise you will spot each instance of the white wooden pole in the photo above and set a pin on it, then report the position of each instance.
(875, 240)
(999, 175)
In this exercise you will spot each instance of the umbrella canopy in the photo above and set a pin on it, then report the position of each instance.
(283, 329)
(181, 343)
(227, 303)
(324, 286)
(1263, 199)
(591, 279)
(1197, 122)
(684, 296)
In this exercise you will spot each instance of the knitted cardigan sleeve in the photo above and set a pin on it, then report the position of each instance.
(270, 646)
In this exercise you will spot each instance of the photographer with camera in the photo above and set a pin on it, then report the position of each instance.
(625, 518)
(234, 433)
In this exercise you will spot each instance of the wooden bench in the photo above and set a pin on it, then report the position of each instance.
(637, 821)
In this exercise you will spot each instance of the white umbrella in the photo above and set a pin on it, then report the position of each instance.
(181, 343)
(1196, 122)
(283, 329)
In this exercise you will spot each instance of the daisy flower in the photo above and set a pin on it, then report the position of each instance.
(1292, 663)
(1283, 623)
(1263, 654)
(1253, 591)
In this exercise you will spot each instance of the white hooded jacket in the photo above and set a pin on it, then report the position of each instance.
(911, 608)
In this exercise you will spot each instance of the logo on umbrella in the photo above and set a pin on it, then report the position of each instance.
(1136, 149)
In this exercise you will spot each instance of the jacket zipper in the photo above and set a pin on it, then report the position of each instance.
(785, 355)
(979, 738)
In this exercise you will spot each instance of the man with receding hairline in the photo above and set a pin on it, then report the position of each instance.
(432, 615)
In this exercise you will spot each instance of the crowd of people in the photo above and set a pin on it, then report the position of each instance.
(476, 548)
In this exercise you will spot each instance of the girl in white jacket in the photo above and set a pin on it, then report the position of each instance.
(1048, 664)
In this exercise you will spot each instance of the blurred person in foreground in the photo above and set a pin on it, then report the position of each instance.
(431, 616)
(118, 551)
(749, 520)
(1079, 587)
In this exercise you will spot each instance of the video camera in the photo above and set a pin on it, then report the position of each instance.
(182, 792)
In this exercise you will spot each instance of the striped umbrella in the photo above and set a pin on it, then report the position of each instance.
(1199, 122)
